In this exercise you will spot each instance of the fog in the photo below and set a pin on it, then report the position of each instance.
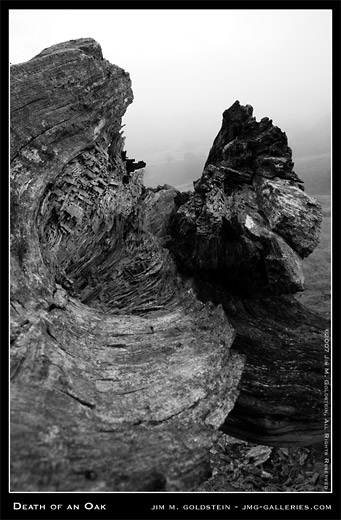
(187, 66)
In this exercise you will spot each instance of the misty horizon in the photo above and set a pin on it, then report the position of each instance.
(188, 66)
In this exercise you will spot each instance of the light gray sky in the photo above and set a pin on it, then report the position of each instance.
(187, 66)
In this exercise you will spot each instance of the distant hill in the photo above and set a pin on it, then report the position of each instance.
(317, 267)
(176, 168)
(315, 171)
(310, 139)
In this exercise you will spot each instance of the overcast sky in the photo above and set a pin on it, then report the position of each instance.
(188, 66)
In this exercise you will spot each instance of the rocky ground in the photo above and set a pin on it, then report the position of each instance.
(242, 466)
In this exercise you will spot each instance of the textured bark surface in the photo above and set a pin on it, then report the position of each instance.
(249, 222)
(281, 400)
(120, 376)
(242, 236)
(126, 301)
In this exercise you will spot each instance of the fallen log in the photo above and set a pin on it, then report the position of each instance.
(126, 358)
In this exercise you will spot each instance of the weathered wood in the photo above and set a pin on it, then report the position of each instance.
(125, 301)
(120, 376)
(135, 407)
(242, 236)
(282, 389)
